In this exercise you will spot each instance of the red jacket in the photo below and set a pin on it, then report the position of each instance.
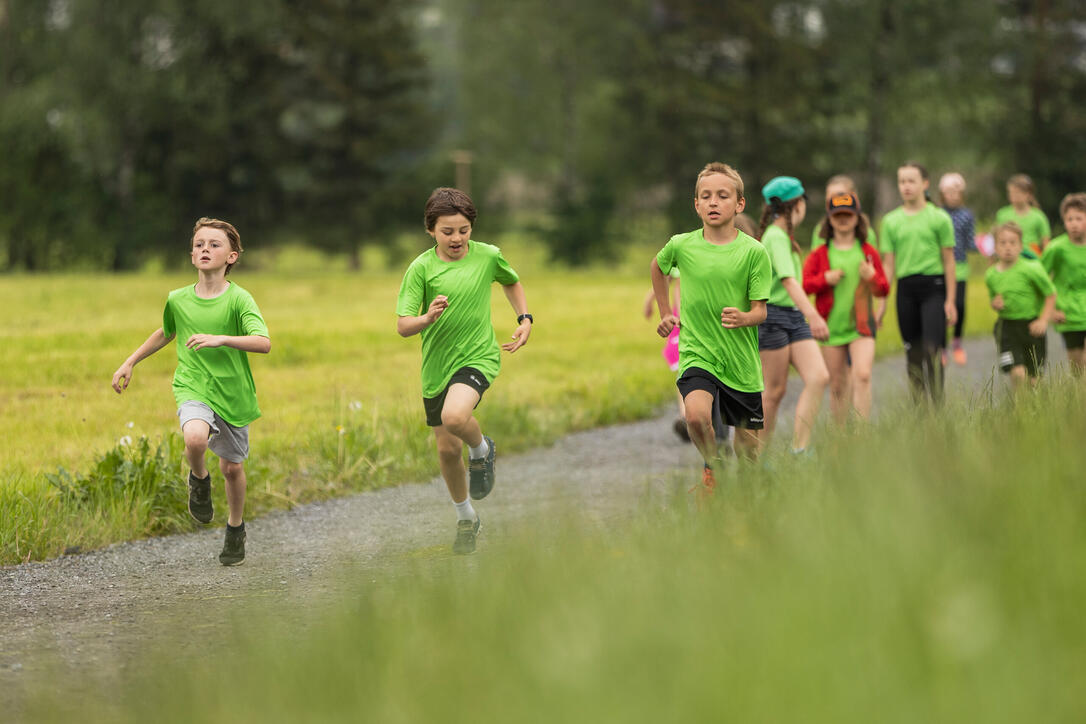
(814, 282)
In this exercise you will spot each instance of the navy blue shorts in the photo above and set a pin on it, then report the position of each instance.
(782, 327)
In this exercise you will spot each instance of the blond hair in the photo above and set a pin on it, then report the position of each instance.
(1011, 226)
(724, 169)
(227, 228)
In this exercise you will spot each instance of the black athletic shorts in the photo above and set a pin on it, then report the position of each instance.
(1018, 347)
(469, 376)
(782, 327)
(1074, 340)
(739, 409)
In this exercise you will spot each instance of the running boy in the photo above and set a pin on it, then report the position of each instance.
(1065, 261)
(445, 296)
(216, 323)
(1025, 298)
(725, 283)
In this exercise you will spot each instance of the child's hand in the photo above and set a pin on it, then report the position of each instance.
(733, 318)
(437, 308)
(867, 270)
(1059, 317)
(122, 377)
(833, 276)
(520, 337)
(951, 312)
(199, 341)
(997, 302)
(1038, 327)
(667, 323)
(819, 329)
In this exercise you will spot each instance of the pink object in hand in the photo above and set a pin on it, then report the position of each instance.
(671, 349)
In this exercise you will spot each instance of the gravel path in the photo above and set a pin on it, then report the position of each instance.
(94, 611)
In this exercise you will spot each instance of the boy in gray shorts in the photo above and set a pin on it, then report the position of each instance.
(216, 323)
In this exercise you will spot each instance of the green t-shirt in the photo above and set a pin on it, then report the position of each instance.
(842, 319)
(715, 276)
(786, 263)
(817, 241)
(219, 377)
(1065, 261)
(463, 335)
(1034, 224)
(917, 240)
(1024, 287)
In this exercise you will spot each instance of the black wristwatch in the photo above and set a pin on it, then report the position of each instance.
(521, 318)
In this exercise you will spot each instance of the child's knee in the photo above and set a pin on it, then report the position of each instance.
(455, 419)
(774, 392)
(231, 470)
(195, 441)
(861, 377)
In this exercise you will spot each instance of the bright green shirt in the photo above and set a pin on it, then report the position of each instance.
(1034, 225)
(715, 276)
(817, 241)
(785, 261)
(1065, 261)
(842, 319)
(1024, 287)
(917, 240)
(219, 377)
(463, 335)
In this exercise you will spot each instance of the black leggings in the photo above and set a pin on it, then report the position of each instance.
(922, 320)
(959, 302)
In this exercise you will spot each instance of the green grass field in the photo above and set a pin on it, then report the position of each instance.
(340, 390)
(929, 568)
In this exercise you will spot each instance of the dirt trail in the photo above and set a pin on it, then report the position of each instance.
(94, 611)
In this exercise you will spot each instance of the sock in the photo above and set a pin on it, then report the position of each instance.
(479, 452)
(236, 527)
(464, 511)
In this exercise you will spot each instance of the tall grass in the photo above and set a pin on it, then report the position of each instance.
(928, 568)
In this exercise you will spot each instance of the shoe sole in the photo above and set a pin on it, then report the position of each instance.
(205, 522)
(234, 563)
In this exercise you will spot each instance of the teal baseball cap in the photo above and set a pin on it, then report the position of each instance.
(782, 189)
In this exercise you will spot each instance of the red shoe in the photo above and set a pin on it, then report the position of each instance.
(959, 356)
(946, 360)
(703, 491)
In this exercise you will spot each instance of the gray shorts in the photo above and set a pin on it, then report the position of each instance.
(782, 327)
(228, 442)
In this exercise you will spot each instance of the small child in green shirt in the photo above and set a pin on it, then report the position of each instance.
(445, 296)
(1065, 260)
(1025, 298)
(726, 277)
(216, 323)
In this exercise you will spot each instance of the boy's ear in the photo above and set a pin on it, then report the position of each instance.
(740, 205)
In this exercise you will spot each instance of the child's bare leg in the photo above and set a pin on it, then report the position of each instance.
(196, 433)
(699, 421)
(457, 414)
(863, 360)
(775, 374)
(746, 443)
(450, 456)
(812, 370)
(234, 473)
(682, 406)
(836, 359)
(1077, 360)
(1018, 376)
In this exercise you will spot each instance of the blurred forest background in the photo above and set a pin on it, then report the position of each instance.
(327, 122)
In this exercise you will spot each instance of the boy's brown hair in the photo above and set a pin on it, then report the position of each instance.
(1024, 183)
(1075, 201)
(224, 226)
(447, 201)
(721, 168)
(1011, 226)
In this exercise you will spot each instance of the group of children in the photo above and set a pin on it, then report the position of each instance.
(746, 318)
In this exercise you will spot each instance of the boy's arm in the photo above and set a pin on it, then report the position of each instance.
(659, 289)
(154, 343)
(515, 294)
(733, 318)
(407, 326)
(1039, 326)
(246, 343)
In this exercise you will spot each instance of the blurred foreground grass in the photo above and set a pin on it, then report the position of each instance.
(930, 568)
(340, 391)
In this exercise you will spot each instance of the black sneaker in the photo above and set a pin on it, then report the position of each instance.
(466, 530)
(200, 506)
(233, 550)
(679, 426)
(481, 473)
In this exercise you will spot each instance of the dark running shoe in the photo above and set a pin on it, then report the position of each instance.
(681, 430)
(481, 473)
(200, 506)
(466, 530)
(233, 550)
